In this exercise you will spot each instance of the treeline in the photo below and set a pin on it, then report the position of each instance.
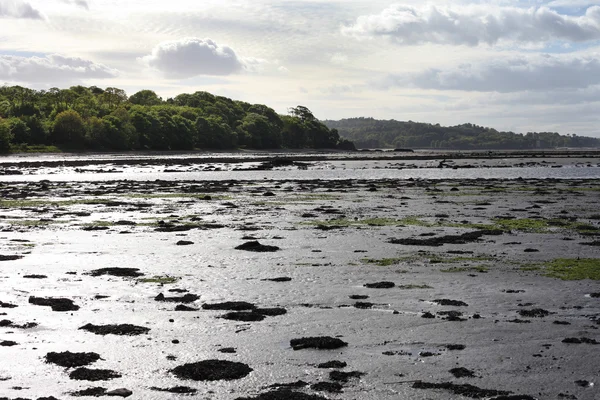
(373, 133)
(91, 118)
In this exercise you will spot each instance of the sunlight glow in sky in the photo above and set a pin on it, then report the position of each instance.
(521, 65)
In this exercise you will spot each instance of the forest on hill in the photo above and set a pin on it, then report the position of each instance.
(373, 133)
(91, 118)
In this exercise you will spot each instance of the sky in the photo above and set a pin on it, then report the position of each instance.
(519, 65)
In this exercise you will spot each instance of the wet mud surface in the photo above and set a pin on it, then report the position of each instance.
(388, 288)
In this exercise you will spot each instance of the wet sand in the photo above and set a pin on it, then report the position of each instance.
(345, 289)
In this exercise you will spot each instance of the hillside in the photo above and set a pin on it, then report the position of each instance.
(373, 133)
(91, 118)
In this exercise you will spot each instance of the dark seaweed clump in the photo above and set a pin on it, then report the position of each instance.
(320, 342)
(117, 271)
(257, 247)
(186, 298)
(122, 329)
(56, 303)
(70, 360)
(212, 370)
(87, 374)
(464, 390)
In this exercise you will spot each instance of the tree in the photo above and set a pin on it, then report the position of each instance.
(68, 129)
(145, 98)
(5, 136)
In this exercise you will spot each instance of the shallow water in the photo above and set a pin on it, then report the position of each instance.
(326, 267)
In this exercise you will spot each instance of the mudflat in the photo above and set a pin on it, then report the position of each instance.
(300, 289)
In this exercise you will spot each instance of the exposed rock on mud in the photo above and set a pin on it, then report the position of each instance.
(35, 276)
(580, 340)
(8, 343)
(380, 285)
(10, 257)
(462, 372)
(212, 370)
(448, 239)
(87, 374)
(93, 392)
(9, 324)
(284, 395)
(184, 243)
(176, 389)
(280, 279)
(186, 298)
(245, 316)
(534, 313)
(257, 247)
(448, 302)
(181, 307)
(229, 306)
(464, 390)
(117, 271)
(342, 376)
(333, 364)
(70, 360)
(122, 329)
(7, 305)
(320, 342)
(56, 303)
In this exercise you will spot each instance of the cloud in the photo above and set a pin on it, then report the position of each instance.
(78, 3)
(18, 9)
(509, 74)
(53, 69)
(474, 25)
(190, 57)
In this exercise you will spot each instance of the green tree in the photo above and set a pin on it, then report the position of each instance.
(145, 98)
(68, 129)
(5, 136)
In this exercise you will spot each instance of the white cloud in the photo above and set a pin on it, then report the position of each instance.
(508, 74)
(190, 57)
(78, 3)
(473, 25)
(18, 9)
(53, 69)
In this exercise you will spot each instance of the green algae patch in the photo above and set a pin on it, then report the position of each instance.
(478, 268)
(382, 262)
(345, 222)
(573, 269)
(523, 224)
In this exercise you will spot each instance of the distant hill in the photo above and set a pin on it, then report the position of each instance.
(374, 133)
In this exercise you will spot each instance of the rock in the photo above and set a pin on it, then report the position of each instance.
(257, 247)
(448, 302)
(7, 305)
(245, 316)
(10, 257)
(186, 298)
(8, 343)
(534, 313)
(184, 243)
(87, 374)
(333, 364)
(70, 360)
(120, 393)
(93, 392)
(176, 389)
(580, 341)
(463, 390)
(280, 279)
(122, 329)
(344, 376)
(229, 306)
(363, 305)
(320, 342)
(34, 276)
(117, 271)
(56, 303)
(380, 285)
(212, 370)
(462, 372)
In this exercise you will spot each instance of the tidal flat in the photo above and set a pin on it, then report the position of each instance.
(284, 288)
